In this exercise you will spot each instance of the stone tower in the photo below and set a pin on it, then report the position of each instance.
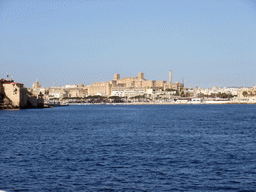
(141, 75)
(170, 76)
(36, 85)
(116, 76)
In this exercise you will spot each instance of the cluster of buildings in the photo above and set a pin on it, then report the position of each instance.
(128, 86)
(131, 87)
(68, 91)
(16, 95)
(122, 87)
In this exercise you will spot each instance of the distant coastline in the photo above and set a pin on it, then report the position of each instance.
(165, 103)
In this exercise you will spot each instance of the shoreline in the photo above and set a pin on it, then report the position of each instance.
(148, 103)
(166, 103)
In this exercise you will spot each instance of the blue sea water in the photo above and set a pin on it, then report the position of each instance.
(129, 148)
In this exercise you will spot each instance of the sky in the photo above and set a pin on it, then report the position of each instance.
(60, 42)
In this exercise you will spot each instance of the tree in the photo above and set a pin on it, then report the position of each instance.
(170, 90)
(245, 93)
(200, 95)
(182, 94)
(116, 99)
(188, 94)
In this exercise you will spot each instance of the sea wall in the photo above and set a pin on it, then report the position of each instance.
(1, 88)
(32, 102)
(12, 93)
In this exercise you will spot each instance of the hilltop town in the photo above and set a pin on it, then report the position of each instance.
(129, 90)
(134, 90)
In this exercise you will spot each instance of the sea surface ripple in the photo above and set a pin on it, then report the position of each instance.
(129, 148)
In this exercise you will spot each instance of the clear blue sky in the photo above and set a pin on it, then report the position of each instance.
(82, 41)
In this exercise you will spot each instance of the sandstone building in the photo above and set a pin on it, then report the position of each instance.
(36, 85)
(138, 83)
(117, 86)
(17, 95)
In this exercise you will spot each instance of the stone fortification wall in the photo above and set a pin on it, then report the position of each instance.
(99, 83)
(40, 102)
(127, 80)
(16, 93)
(23, 97)
(32, 102)
(1, 88)
(148, 83)
(138, 83)
(12, 93)
(100, 88)
(160, 84)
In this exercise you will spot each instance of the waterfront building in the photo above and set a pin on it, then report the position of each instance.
(61, 92)
(17, 95)
(127, 93)
(16, 92)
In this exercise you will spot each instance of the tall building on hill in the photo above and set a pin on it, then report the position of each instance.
(138, 83)
(36, 85)
(170, 76)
